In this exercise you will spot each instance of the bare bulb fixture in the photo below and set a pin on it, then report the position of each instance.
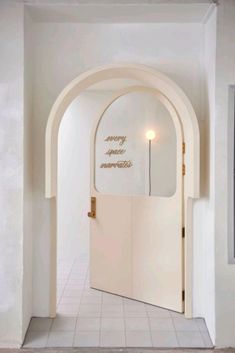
(150, 134)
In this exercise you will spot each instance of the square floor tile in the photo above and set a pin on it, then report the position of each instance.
(72, 292)
(64, 324)
(138, 339)
(40, 324)
(88, 324)
(91, 299)
(154, 311)
(161, 324)
(135, 311)
(112, 339)
(206, 339)
(201, 324)
(93, 292)
(114, 314)
(137, 324)
(112, 310)
(70, 300)
(183, 324)
(86, 339)
(111, 299)
(112, 307)
(60, 339)
(36, 339)
(190, 339)
(68, 309)
(90, 307)
(164, 339)
(112, 324)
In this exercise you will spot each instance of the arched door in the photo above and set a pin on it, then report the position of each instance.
(136, 245)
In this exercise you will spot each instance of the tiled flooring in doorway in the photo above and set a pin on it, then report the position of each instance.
(90, 318)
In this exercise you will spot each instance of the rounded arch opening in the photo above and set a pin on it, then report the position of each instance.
(150, 79)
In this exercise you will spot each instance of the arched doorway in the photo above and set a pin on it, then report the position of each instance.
(153, 80)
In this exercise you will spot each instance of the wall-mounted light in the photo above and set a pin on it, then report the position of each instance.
(150, 134)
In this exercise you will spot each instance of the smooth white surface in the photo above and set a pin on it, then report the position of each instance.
(74, 187)
(224, 272)
(28, 179)
(131, 116)
(108, 13)
(11, 176)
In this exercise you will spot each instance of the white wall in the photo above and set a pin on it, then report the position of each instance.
(28, 176)
(224, 272)
(63, 51)
(74, 187)
(11, 176)
(204, 271)
(132, 116)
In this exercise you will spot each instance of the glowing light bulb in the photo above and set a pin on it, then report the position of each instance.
(150, 134)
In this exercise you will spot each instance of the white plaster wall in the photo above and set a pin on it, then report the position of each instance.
(74, 187)
(11, 176)
(224, 272)
(28, 176)
(132, 116)
(204, 272)
(63, 51)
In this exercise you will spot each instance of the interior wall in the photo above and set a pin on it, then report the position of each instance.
(28, 176)
(204, 271)
(131, 116)
(74, 187)
(11, 176)
(175, 49)
(224, 271)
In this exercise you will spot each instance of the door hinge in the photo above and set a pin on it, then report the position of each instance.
(183, 169)
(183, 232)
(183, 295)
(183, 147)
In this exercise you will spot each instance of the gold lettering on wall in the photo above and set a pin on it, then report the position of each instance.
(111, 152)
(119, 164)
(121, 140)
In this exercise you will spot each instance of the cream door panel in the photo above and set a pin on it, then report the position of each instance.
(157, 251)
(111, 245)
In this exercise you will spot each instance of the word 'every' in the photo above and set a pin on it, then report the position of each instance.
(120, 139)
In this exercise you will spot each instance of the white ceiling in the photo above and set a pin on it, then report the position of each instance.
(111, 11)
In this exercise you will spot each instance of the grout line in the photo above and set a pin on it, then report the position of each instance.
(150, 331)
(177, 339)
(124, 319)
(100, 319)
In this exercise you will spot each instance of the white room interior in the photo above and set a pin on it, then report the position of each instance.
(56, 44)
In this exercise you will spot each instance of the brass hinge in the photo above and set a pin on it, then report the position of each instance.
(183, 147)
(183, 295)
(183, 232)
(183, 169)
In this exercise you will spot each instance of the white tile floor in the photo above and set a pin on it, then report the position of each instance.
(90, 318)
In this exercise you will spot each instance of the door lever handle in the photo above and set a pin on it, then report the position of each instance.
(92, 213)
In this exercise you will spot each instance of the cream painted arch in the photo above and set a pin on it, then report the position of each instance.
(150, 78)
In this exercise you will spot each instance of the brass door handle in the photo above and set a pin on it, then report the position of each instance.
(92, 213)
